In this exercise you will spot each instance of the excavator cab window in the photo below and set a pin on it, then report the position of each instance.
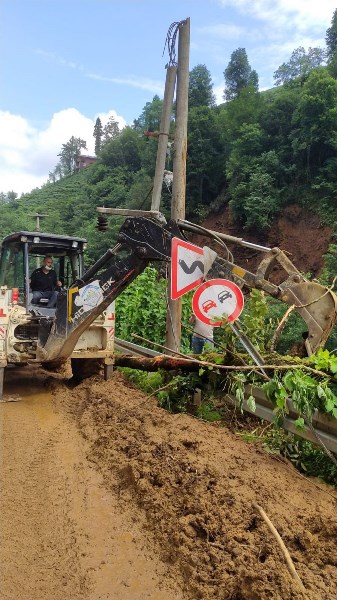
(67, 268)
(12, 268)
(23, 252)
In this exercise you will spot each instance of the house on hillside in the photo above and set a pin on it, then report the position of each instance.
(84, 160)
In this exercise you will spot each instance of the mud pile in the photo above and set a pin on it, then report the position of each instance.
(194, 484)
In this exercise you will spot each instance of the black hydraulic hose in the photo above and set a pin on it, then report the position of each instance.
(100, 263)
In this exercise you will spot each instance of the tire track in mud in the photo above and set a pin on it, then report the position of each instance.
(63, 536)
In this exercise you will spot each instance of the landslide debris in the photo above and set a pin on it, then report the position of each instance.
(195, 484)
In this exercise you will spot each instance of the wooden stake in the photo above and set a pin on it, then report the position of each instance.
(284, 550)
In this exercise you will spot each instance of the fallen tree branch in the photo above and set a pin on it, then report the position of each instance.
(170, 363)
(282, 545)
(232, 367)
(280, 327)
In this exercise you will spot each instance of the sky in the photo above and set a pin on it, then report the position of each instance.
(63, 63)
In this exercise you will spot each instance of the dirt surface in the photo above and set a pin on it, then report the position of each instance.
(296, 231)
(107, 496)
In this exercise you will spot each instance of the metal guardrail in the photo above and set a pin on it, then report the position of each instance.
(135, 349)
(325, 427)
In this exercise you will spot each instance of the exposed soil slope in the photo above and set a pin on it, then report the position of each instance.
(296, 231)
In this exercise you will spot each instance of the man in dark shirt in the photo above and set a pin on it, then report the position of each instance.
(44, 283)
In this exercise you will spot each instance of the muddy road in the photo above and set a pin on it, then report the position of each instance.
(106, 496)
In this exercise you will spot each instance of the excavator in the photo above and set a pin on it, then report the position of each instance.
(81, 326)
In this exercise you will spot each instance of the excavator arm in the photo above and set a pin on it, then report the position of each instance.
(142, 240)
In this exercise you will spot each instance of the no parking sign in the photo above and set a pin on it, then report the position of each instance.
(217, 301)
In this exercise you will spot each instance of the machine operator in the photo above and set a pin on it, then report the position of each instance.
(44, 283)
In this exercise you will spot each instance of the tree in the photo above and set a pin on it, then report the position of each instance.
(299, 65)
(331, 37)
(331, 43)
(98, 135)
(11, 196)
(200, 91)
(124, 151)
(205, 160)
(314, 134)
(276, 120)
(254, 194)
(150, 118)
(69, 155)
(111, 130)
(239, 75)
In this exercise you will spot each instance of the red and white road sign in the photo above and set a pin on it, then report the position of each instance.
(187, 267)
(217, 301)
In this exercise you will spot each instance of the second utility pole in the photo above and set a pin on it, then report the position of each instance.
(173, 322)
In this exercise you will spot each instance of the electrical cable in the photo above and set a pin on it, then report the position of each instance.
(170, 42)
(230, 256)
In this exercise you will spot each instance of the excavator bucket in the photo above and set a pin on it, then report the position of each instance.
(317, 305)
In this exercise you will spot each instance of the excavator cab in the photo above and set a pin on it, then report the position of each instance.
(22, 252)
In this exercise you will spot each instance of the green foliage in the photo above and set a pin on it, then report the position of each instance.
(239, 75)
(207, 412)
(150, 118)
(314, 133)
(110, 131)
(331, 38)
(308, 459)
(305, 456)
(177, 393)
(293, 330)
(306, 393)
(256, 321)
(259, 151)
(68, 156)
(148, 382)
(123, 151)
(98, 135)
(200, 92)
(142, 309)
(324, 361)
(253, 179)
(299, 65)
(205, 159)
(261, 201)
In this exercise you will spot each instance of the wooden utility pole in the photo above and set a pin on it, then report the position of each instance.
(38, 216)
(173, 322)
(163, 136)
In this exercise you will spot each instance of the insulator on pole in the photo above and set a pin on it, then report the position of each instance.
(102, 223)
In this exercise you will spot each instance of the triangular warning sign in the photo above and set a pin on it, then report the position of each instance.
(187, 267)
